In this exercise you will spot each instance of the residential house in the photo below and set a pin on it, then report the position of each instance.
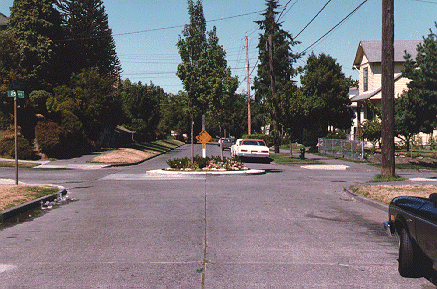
(368, 63)
(3, 22)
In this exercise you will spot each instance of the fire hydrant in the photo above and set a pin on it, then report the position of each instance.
(302, 153)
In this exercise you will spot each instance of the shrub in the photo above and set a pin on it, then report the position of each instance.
(207, 162)
(7, 147)
(337, 134)
(48, 137)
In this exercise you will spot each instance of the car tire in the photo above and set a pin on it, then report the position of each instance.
(408, 255)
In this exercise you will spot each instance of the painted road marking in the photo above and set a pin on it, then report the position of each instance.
(423, 179)
(150, 177)
(325, 167)
(6, 267)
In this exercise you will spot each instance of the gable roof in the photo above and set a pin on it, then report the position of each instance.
(3, 20)
(372, 50)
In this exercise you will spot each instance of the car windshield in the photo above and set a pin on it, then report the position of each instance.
(254, 143)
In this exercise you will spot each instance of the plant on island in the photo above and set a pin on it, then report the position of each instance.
(207, 164)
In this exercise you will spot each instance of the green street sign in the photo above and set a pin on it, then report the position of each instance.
(12, 93)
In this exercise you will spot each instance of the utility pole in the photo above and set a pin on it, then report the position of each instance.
(249, 121)
(273, 88)
(387, 89)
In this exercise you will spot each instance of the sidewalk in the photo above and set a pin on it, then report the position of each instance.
(79, 163)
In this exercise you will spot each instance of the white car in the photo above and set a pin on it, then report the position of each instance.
(250, 148)
(234, 146)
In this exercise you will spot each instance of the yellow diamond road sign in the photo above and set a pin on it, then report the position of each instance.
(203, 137)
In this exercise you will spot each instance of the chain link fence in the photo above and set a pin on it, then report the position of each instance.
(350, 149)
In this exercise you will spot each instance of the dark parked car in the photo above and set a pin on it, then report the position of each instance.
(227, 143)
(414, 220)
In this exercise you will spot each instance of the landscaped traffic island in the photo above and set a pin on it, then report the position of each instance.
(206, 164)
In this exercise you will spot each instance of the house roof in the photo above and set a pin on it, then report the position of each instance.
(370, 94)
(3, 20)
(372, 50)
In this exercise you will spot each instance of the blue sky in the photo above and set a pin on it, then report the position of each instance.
(149, 53)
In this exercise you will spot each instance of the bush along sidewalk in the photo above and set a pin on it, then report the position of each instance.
(208, 163)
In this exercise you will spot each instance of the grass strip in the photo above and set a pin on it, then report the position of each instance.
(380, 179)
(285, 159)
(11, 164)
(385, 193)
(12, 195)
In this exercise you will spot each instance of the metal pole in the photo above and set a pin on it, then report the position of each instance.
(203, 145)
(192, 140)
(16, 140)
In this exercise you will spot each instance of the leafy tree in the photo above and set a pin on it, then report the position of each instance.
(282, 61)
(192, 47)
(174, 116)
(416, 109)
(88, 38)
(9, 70)
(412, 115)
(85, 108)
(221, 86)
(204, 72)
(326, 88)
(371, 131)
(36, 25)
(141, 104)
(9, 60)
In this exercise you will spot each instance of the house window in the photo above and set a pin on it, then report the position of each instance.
(365, 79)
(370, 114)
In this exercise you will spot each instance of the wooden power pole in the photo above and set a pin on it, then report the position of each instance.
(249, 121)
(387, 89)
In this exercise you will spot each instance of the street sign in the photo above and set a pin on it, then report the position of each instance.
(12, 93)
(203, 137)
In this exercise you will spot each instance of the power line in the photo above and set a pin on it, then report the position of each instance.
(288, 8)
(338, 24)
(424, 1)
(313, 19)
(179, 26)
(285, 7)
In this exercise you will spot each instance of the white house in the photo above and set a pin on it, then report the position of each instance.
(3, 21)
(368, 63)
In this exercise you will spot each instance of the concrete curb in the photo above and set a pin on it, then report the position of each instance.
(371, 202)
(17, 210)
(241, 172)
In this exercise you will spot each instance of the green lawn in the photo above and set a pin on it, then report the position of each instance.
(285, 159)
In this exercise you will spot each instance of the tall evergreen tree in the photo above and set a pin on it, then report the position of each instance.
(283, 71)
(88, 38)
(36, 25)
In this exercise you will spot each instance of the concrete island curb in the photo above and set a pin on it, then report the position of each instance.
(240, 172)
(371, 202)
(20, 209)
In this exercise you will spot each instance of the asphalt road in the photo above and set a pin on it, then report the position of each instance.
(289, 228)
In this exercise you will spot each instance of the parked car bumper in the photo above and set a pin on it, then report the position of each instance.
(251, 155)
(390, 229)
